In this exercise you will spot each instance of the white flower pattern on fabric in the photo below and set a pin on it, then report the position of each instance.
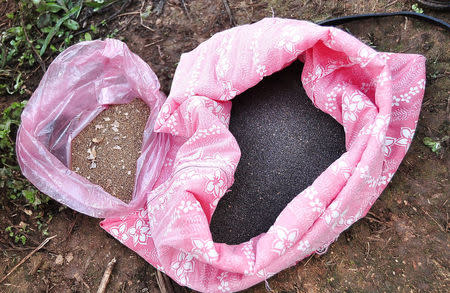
(285, 239)
(407, 96)
(216, 186)
(139, 232)
(341, 166)
(290, 36)
(387, 146)
(310, 192)
(119, 232)
(204, 249)
(406, 137)
(223, 284)
(351, 105)
(186, 206)
(317, 205)
(182, 266)
(303, 245)
(332, 212)
(228, 91)
(250, 255)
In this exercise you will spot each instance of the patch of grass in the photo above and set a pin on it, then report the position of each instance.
(11, 179)
(40, 29)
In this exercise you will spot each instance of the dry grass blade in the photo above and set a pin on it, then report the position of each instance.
(27, 257)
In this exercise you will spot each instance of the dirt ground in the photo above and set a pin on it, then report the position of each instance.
(401, 245)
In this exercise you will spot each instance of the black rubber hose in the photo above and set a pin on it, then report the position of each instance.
(345, 19)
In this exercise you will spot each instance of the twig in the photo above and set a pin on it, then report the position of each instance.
(163, 283)
(116, 14)
(373, 219)
(70, 230)
(106, 276)
(390, 4)
(122, 8)
(312, 255)
(142, 21)
(439, 225)
(28, 256)
(126, 24)
(36, 53)
(186, 11)
(228, 9)
(160, 7)
(153, 43)
(129, 13)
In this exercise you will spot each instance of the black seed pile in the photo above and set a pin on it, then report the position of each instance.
(286, 143)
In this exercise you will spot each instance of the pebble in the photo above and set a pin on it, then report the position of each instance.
(59, 259)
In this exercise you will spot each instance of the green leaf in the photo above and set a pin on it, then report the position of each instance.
(97, 4)
(434, 145)
(49, 7)
(87, 37)
(55, 29)
(10, 15)
(72, 24)
(43, 20)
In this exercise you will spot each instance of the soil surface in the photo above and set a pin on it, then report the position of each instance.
(401, 245)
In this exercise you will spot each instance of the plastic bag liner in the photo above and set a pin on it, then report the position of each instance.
(79, 84)
(375, 96)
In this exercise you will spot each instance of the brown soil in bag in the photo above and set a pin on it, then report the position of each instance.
(106, 151)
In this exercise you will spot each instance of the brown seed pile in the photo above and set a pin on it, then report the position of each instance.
(106, 150)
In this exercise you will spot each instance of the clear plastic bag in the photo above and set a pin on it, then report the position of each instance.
(79, 84)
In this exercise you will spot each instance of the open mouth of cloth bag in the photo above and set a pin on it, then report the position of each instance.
(376, 97)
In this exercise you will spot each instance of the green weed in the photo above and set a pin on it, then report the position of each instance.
(415, 7)
(41, 28)
(435, 144)
(10, 177)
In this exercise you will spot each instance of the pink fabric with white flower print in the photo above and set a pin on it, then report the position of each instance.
(375, 96)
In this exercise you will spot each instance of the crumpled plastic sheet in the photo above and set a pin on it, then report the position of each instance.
(375, 96)
(80, 83)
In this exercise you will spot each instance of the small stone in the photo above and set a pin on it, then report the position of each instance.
(93, 165)
(115, 129)
(59, 259)
(92, 153)
(106, 119)
(23, 225)
(158, 21)
(99, 126)
(115, 124)
(69, 257)
(97, 139)
(129, 172)
(116, 147)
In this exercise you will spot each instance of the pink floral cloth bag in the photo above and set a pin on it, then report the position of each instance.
(375, 96)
